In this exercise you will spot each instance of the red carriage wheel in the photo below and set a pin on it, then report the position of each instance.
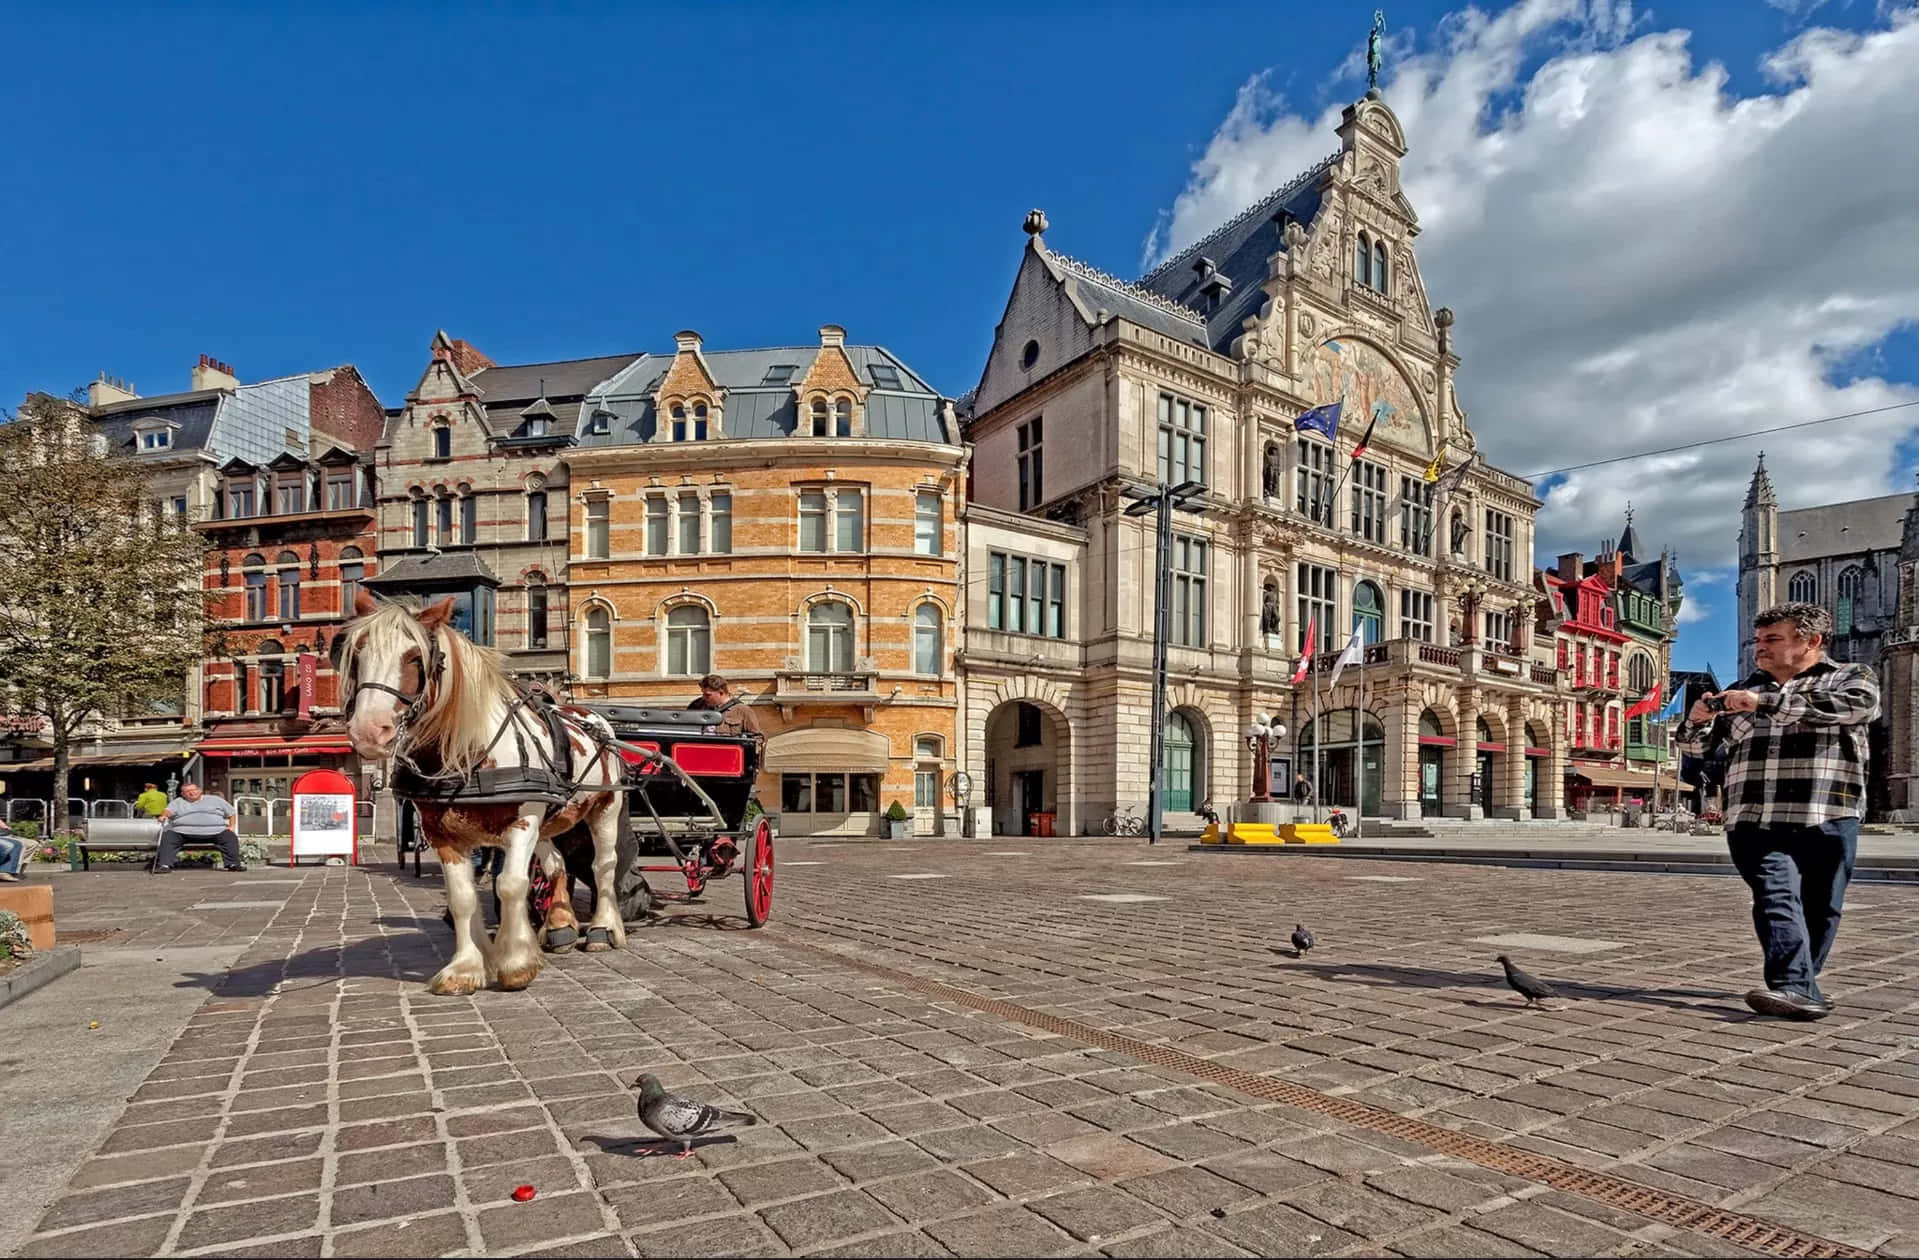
(759, 873)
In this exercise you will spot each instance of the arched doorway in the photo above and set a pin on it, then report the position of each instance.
(1433, 743)
(1538, 760)
(1351, 764)
(1026, 769)
(1185, 749)
(1489, 752)
(1368, 612)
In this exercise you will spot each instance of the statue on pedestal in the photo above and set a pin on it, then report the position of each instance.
(1269, 610)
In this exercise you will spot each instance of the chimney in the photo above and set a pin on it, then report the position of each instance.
(1569, 566)
(108, 389)
(832, 335)
(210, 373)
(467, 358)
(1205, 267)
(687, 342)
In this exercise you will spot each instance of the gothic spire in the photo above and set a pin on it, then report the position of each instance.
(1759, 493)
(1629, 541)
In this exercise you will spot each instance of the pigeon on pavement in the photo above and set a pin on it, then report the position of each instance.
(1531, 988)
(1302, 940)
(680, 1119)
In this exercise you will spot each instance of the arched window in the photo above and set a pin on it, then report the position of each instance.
(1849, 587)
(443, 441)
(288, 565)
(1429, 725)
(820, 420)
(1368, 611)
(352, 571)
(679, 422)
(1483, 730)
(699, 422)
(927, 640)
(599, 643)
(1639, 674)
(1803, 588)
(536, 516)
(1379, 266)
(421, 519)
(273, 683)
(926, 773)
(843, 419)
(689, 641)
(469, 517)
(1363, 260)
(444, 503)
(829, 638)
(256, 586)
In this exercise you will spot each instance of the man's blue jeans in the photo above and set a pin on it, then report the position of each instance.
(1798, 877)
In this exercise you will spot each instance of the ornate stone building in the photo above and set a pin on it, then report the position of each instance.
(1196, 372)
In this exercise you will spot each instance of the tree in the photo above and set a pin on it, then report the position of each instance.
(101, 597)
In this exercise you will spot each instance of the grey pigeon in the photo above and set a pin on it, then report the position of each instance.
(1532, 988)
(1302, 940)
(680, 1119)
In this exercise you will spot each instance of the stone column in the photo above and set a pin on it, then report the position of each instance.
(1460, 801)
(1516, 805)
(1400, 758)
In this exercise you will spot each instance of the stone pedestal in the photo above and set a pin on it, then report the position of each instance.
(1271, 812)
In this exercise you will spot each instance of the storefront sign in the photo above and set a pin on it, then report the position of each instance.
(324, 822)
(309, 678)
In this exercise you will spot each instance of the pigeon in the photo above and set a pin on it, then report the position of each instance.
(1531, 988)
(1302, 940)
(680, 1119)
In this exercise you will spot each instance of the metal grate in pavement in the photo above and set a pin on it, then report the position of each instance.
(1659, 1205)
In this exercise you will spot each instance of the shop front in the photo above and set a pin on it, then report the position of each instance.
(255, 773)
(1350, 759)
(827, 780)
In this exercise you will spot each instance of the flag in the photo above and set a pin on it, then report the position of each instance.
(1366, 438)
(1645, 706)
(1350, 656)
(1449, 482)
(1306, 656)
(1674, 708)
(1323, 420)
(1439, 463)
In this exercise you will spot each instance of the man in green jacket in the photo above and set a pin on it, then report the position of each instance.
(150, 803)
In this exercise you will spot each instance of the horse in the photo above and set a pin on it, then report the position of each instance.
(443, 708)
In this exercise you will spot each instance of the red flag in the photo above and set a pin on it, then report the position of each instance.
(1306, 657)
(1366, 438)
(1646, 705)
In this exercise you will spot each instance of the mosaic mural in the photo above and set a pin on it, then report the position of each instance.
(1372, 386)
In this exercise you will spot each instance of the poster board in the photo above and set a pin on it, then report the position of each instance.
(325, 822)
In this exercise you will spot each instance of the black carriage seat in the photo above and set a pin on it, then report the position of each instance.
(725, 765)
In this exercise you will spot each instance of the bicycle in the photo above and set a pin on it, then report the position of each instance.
(1124, 821)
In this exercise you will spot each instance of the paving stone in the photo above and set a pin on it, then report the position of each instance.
(1008, 1231)
(303, 1245)
(353, 1110)
(887, 1159)
(1189, 1141)
(1430, 1187)
(121, 1238)
(677, 1199)
(904, 1243)
(1109, 1157)
(384, 1200)
(723, 1236)
(1844, 1213)
(826, 1218)
(833, 1132)
(440, 1234)
(390, 1164)
(401, 1132)
(1277, 1230)
(143, 1166)
(1187, 1192)
(260, 1181)
(259, 1219)
(1027, 1175)
(146, 1137)
(1459, 1241)
(1364, 1211)
(967, 1144)
(97, 1206)
(786, 1179)
(1543, 1229)
(495, 1148)
(1176, 1242)
(1096, 1212)
(518, 1225)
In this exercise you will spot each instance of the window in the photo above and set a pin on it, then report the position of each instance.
(812, 520)
(842, 419)
(599, 643)
(699, 422)
(1182, 440)
(339, 491)
(1317, 604)
(240, 500)
(1363, 260)
(679, 422)
(1379, 267)
(535, 427)
(926, 775)
(1416, 615)
(689, 641)
(1032, 464)
(1369, 612)
(1369, 501)
(821, 423)
(420, 535)
(596, 529)
(829, 793)
(536, 516)
(442, 441)
(779, 374)
(443, 511)
(927, 640)
(536, 615)
(469, 517)
(352, 570)
(155, 440)
(928, 522)
(180, 507)
(796, 793)
(289, 565)
(1499, 545)
(1189, 591)
(1639, 673)
(885, 376)
(1313, 479)
(290, 495)
(1499, 628)
(242, 690)
(849, 519)
(1416, 515)
(689, 540)
(720, 525)
(256, 587)
(829, 638)
(273, 691)
(1803, 588)
(599, 423)
(656, 525)
(1029, 726)
(995, 591)
(1851, 584)
(1025, 596)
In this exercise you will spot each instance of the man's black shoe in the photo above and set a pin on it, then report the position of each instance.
(241, 867)
(1787, 1004)
(161, 870)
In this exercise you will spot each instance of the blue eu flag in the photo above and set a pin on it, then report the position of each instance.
(1323, 420)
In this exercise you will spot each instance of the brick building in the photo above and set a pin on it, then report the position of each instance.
(787, 517)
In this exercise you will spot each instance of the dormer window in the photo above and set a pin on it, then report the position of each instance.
(699, 422)
(679, 422)
(536, 426)
(240, 500)
(885, 376)
(155, 440)
(843, 419)
(599, 424)
(779, 374)
(821, 421)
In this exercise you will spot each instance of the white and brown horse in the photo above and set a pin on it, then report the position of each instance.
(422, 692)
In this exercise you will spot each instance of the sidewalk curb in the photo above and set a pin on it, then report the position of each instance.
(43, 968)
(1884, 870)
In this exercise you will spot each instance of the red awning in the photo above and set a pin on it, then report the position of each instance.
(268, 747)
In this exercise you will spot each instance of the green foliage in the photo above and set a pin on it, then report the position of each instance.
(15, 942)
(25, 830)
(59, 849)
(101, 600)
(896, 812)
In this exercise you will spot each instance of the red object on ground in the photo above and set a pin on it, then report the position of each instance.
(523, 1194)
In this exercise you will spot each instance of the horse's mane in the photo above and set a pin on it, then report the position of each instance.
(461, 718)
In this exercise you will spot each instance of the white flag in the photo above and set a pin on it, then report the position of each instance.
(1348, 656)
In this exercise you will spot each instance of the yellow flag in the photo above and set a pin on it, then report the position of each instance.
(1432, 469)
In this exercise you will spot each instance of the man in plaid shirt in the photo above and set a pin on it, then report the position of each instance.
(1795, 792)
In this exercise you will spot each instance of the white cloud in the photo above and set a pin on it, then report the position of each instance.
(1692, 611)
(1639, 258)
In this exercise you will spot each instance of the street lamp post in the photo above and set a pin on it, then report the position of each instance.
(1260, 734)
(1160, 501)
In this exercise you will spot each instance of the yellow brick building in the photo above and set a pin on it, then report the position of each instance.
(788, 518)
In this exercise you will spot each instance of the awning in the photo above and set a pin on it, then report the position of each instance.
(94, 759)
(258, 746)
(828, 749)
(1610, 777)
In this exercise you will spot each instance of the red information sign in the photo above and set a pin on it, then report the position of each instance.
(325, 823)
(309, 677)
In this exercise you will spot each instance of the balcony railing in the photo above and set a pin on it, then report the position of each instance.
(825, 685)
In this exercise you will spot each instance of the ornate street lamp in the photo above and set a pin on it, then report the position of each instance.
(1261, 732)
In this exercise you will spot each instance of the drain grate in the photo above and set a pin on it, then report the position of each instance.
(1654, 1204)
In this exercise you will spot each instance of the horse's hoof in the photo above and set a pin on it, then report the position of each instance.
(454, 984)
(515, 978)
(598, 940)
(558, 939)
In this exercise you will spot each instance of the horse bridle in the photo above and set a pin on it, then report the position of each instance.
(430, 670)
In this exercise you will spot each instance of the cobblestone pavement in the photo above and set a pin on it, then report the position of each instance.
(321, 1103)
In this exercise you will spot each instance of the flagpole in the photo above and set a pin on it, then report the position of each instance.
(1359, 746)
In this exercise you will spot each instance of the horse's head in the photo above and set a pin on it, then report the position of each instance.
(390, 660)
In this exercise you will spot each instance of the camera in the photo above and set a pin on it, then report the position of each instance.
(1715, 704)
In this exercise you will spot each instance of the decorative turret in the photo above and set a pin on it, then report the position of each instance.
(1759, 493)
(1629, 541)
(1758, 557)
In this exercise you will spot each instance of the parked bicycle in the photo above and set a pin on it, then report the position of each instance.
(1124, 821)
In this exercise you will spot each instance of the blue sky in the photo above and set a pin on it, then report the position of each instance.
(289, 191)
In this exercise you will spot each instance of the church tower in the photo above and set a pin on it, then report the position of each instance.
(1758, 558)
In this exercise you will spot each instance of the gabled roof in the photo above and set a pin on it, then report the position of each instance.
(434, 569)
(1843, 529)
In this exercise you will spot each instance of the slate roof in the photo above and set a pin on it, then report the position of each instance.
(754, 409)
(1843, 529)
(194, 412)
(408, 572)
(507, 391)
(248, 421)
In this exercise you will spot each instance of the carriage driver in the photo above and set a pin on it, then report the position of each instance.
(736, 716)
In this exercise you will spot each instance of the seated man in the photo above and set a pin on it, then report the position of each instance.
(737, 716)
(197, 816)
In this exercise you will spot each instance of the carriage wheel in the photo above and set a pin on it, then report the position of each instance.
(759, 873)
